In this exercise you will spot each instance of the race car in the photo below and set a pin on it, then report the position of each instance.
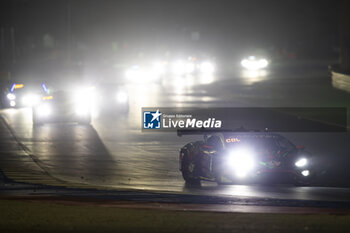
(63, 106)
(23, 95)
(245, 157)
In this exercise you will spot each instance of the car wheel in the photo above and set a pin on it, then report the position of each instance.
(188, 168)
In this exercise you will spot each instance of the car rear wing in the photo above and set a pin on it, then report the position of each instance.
(181, 132)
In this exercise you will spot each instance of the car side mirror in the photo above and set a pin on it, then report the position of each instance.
(300, 147)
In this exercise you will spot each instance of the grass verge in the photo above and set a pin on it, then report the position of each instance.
(26, 216)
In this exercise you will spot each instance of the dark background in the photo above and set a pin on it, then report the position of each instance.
(81, 31)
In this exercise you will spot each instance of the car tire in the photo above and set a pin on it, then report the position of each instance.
(188, 168)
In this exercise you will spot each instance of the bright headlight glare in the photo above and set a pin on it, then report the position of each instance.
(207, 67)
(253, 64)
(122, 97)
(133, 73)
(179, 68)
(12, 103)
(305, 173)
(241, 161)
(82, 110)
(85, 96)
(143, 75)
(44, 110)
(31, 100)
(263, 63)
(11, 96)
(301, 162)
(244, 63)
(159, 68)
(82, 107)
(189, 68)
(83, 100)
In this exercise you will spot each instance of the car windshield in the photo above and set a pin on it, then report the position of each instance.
(27, 87)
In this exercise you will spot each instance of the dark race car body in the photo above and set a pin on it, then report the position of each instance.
(245, 158)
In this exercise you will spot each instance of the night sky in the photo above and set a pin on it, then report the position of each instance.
(222, 25)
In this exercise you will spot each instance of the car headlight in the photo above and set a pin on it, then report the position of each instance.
(11, 96)
(241, 161)
(159, 68)
(263, 63)
(12, 103)
(252, 63)
(179, 67)
(189, 68)
(133, 73)
(122, 97)
(82, 107)
(44, 110)
(83, 100)
(82, 110)
(207, 68)
(305, 173)
(31, 99)
(301, 162)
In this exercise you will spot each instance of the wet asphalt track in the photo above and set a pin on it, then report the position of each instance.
(114, 153)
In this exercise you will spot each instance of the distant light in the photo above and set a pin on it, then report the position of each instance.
(122, 97)
(301, 162)
(12, 103)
